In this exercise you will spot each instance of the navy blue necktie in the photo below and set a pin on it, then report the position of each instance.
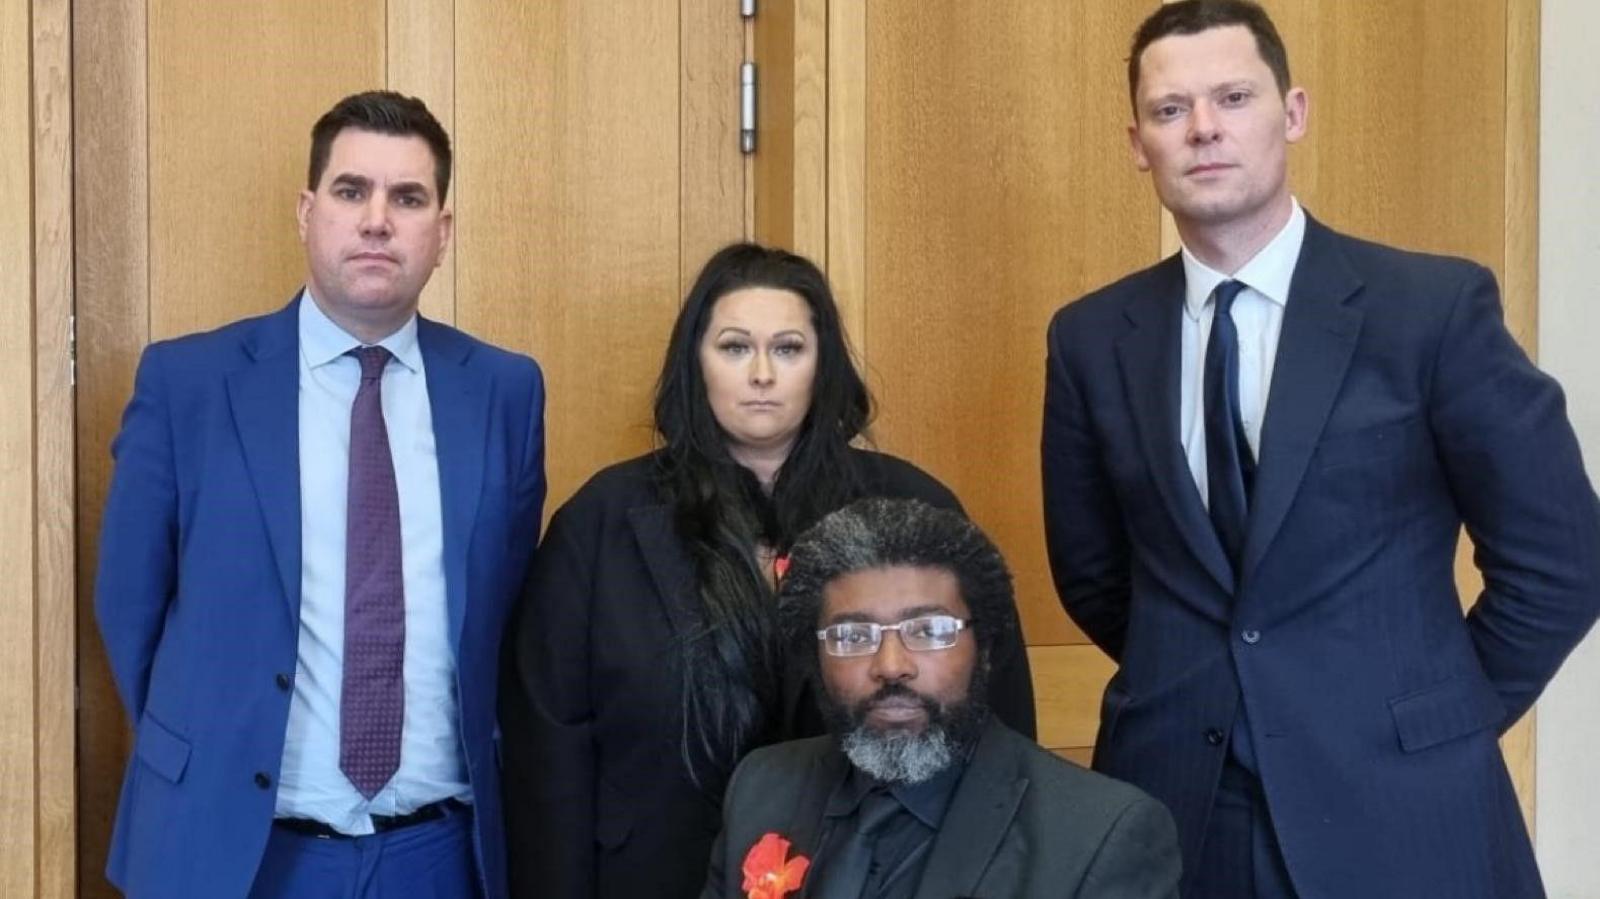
(1230, 468)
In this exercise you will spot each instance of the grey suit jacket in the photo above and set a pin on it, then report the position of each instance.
(1022, 823)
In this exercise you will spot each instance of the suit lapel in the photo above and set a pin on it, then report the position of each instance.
(670, 566)
(1151, 361)
(827, 771)
(976, 822)
(1314, 349)
(458, 395)
(263, 396)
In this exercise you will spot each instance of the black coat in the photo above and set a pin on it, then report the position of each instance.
(599, 802)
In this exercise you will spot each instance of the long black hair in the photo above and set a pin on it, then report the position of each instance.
(732, 668)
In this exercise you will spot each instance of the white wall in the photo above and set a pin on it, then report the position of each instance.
(1568, 764)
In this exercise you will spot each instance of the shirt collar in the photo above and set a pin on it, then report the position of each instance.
(322, 341)
(1268, 272)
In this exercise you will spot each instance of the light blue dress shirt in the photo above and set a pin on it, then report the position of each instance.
(431, 768)
(1258, 317)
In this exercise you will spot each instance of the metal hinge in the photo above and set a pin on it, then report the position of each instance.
(747, 86)
(747, 107)
(72, 351)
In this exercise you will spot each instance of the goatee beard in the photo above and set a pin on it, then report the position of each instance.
(897, 755)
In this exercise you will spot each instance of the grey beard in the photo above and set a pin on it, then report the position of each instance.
(898, 756)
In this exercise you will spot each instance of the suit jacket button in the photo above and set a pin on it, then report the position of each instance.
(1251, 637)
(263, 780)
(282, 681)
(1214, 736)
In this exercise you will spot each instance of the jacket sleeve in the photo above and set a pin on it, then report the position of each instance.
(1139, 857)
(532, 485)
(1084, 533)
(548, 776)
(1514, 468)
(137, 575)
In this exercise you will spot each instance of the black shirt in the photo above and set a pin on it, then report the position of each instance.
(904, 839)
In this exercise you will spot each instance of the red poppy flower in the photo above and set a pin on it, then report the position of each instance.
(769, 873)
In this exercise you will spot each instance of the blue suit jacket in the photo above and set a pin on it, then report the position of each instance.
(198, 591)
(1400, 409)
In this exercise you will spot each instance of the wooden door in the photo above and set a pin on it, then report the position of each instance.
(597, 166)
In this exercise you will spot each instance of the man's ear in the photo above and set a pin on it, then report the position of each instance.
(302, 211)
(1140, 160)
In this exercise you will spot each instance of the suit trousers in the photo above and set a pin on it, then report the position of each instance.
(1240, 858)
(427, 861)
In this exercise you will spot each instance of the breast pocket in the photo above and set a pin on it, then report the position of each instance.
(1369, 445)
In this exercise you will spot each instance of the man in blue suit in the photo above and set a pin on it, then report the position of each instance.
(315, 528)
(1258, 455)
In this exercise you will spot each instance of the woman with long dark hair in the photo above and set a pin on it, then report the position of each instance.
(644, 662)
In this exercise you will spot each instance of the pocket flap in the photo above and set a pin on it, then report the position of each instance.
(166, 753)
(1445, 711)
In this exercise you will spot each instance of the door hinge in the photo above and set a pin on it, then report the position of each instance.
(72, 351)
(747, 8)
(747, 107)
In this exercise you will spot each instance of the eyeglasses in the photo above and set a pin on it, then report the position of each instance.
(924, 633)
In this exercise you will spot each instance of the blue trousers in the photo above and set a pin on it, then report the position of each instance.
(1241, 858)
(426, 861)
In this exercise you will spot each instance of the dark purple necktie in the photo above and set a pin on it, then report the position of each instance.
(372, 700)
(1229, 465)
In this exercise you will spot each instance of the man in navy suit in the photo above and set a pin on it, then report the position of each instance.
(1258, 455)
(315, 528)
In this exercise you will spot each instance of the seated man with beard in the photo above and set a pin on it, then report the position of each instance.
(919, 791)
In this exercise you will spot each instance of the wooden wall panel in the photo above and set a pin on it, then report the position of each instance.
(18, 752)
(37, 842)
(1519, 277)
(1413, 151)
(420, 62)
(1067, 681)
(233, 91)
(54, 509)
(844, 156)
(112, 243)
(712, 171)
(997, 187)
(793, 53)
(568, 214)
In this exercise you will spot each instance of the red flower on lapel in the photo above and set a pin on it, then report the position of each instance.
(780, 567)
(768, 871)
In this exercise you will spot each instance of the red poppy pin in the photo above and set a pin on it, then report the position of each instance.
(768, 871)
(780, 567)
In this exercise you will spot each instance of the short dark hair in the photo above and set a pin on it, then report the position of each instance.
(381, 112)
(1195, 16)
(892, 533)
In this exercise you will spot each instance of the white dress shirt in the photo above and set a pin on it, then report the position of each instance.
(431, 767)
(1258, 317)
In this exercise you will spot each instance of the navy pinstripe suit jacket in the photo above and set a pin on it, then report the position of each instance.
(1401, 409)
